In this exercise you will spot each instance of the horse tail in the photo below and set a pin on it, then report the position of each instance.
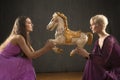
(90, 38)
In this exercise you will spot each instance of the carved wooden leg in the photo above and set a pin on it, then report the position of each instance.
(56, 49)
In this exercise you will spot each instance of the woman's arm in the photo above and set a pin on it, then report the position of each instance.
(83, 52)
(30, 54)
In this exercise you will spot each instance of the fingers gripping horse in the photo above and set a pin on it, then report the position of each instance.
(65, 36)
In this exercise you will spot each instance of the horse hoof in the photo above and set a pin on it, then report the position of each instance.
(60, 50)
(72, 52)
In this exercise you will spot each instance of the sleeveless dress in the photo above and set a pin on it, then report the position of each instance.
(14, 67)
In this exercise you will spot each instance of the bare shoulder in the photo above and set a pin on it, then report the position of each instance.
(17, 39)
(20, 39)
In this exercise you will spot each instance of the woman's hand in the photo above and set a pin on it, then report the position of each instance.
(82, 52)
(49, 45)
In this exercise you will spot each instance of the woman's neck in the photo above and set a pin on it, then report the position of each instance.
(103, 34)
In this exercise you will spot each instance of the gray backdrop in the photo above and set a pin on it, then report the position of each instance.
(78, 13)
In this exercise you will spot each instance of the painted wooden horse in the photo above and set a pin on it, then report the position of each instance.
(65, 36)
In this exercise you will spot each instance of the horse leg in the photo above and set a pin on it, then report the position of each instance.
(80, 43)
(73, 52)
(55, 48)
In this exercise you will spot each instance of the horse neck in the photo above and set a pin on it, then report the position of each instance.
(61, 24)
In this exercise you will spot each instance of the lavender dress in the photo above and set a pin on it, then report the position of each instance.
(104, 64)
(14, 67)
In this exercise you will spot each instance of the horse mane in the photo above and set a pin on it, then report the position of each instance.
(64, 19)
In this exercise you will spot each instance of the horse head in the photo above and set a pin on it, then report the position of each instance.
(58, 20)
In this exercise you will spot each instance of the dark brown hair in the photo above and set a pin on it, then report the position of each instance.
(19, 28)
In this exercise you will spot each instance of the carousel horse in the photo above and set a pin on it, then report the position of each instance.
(65, 36)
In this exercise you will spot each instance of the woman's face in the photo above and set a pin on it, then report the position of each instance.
(94, 27)
(29, 25)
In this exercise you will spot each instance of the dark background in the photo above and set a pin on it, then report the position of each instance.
(78, 13)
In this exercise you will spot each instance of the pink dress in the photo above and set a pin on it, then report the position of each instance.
(14, 67)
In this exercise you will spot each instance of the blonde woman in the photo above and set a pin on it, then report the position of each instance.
(104, 61)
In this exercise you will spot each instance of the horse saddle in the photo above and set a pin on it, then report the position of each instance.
(69, 34)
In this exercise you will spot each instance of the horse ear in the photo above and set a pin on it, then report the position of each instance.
(54, 13)
(58, 13)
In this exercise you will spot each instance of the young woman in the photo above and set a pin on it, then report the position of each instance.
(104, 61)
(16, 52)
